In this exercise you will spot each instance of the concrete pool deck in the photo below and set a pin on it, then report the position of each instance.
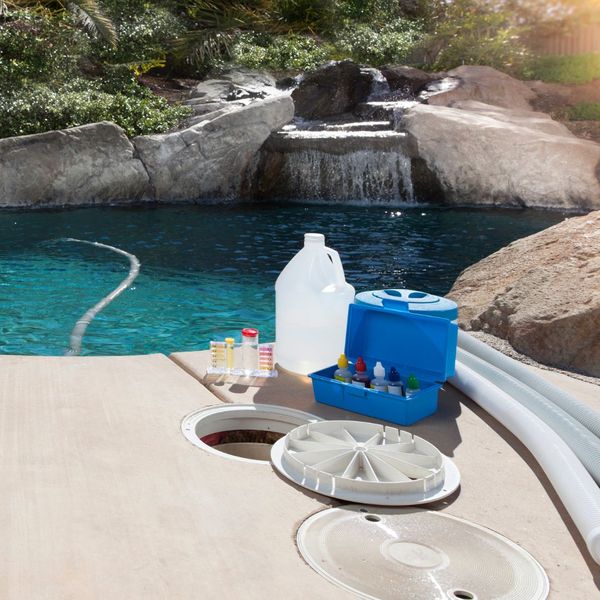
(103, 498)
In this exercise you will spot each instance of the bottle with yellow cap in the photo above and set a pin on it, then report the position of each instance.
(343, 373)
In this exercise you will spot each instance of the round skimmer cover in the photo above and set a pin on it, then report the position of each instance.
(365, 462)
(408, 553)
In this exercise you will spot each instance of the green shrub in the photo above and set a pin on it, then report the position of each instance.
(475, 37)
(584, 111)
(393, 42)
(577, 68)
(39, 46)
(144, 34)
(36, 108)
(279, 53)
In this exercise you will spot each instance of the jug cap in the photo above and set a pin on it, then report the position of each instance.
(314, 238)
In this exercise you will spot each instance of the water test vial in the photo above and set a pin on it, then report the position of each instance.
(249, 350)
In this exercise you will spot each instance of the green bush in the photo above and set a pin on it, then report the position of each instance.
(36, 108)
(584, 111)
(474, 35)
(393, 42)
(578, 68)
(279, 53)
(39, 46)
(144, 34)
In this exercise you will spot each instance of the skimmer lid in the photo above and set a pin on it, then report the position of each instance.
(410, 553)
(365, 462)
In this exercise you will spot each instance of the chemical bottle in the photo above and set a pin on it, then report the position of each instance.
(412, 386)
(249, 350)
(379, 382)
(311, 308)
(343, 373)
(394, 383)
(360, 376)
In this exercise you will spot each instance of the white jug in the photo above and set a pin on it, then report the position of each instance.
(311, 308)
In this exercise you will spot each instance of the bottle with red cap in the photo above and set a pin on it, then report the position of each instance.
(360, 377)
(249, 349)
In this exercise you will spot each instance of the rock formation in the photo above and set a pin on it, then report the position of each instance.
(208, 159)
(483, 84)
(542, 294)
(91, 164)
(485, 155)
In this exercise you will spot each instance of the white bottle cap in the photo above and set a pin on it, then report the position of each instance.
(314, 238)
(379, 371)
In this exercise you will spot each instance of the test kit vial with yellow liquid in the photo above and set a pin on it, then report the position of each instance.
(246, 359)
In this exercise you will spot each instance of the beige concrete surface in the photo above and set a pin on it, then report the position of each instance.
(502, 487)
(102, 498)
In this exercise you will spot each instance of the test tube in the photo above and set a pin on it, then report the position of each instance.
(217, 355)
(229, 352)
(265, 357)
(249, 349)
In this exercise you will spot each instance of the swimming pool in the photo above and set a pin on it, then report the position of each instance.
(208, 271)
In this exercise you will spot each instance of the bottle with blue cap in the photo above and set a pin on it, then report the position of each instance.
(394, 383)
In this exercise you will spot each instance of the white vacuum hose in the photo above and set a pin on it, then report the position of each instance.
(587, 416)
(574, 485)
(581, 440)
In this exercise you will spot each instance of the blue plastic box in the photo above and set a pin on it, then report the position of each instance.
(389, 326)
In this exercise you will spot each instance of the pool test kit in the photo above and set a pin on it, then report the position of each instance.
(245, 359)
(414, 333)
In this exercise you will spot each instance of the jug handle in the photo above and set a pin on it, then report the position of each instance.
(338, 269)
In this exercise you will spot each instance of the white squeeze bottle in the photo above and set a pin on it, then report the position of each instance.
(379, 382)
(311, 308)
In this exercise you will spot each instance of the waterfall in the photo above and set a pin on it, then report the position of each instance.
(356, 177)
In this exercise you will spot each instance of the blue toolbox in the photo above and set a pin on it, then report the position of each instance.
(414, 332)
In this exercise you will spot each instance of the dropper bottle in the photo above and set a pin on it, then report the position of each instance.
(343, 373)
(394, 382)
(379, 382)
(360, 377)
(412, 386)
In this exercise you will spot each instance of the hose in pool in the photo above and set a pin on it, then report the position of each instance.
(76, 337)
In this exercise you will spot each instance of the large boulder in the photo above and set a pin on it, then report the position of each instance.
(407, 82)
(483, 84)
(484, 155)
(542, 294)
(91, 164)
(207, 160)
(331, 90)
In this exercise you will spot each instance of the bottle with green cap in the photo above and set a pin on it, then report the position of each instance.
(412, 386)
(343, 373)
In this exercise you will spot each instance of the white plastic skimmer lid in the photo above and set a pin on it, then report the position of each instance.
(365, 462)
(411, 553)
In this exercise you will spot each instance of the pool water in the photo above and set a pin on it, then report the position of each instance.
(208, 271)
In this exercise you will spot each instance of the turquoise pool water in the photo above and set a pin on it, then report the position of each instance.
(208, 271)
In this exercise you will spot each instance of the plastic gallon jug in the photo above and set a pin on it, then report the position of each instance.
(311, 308)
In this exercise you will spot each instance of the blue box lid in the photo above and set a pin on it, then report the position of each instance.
(410, 300)
(413, 343)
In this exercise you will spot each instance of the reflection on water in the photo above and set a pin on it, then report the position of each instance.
(211, 270)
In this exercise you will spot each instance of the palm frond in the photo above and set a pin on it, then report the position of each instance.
(91, 17)
(202, 46)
